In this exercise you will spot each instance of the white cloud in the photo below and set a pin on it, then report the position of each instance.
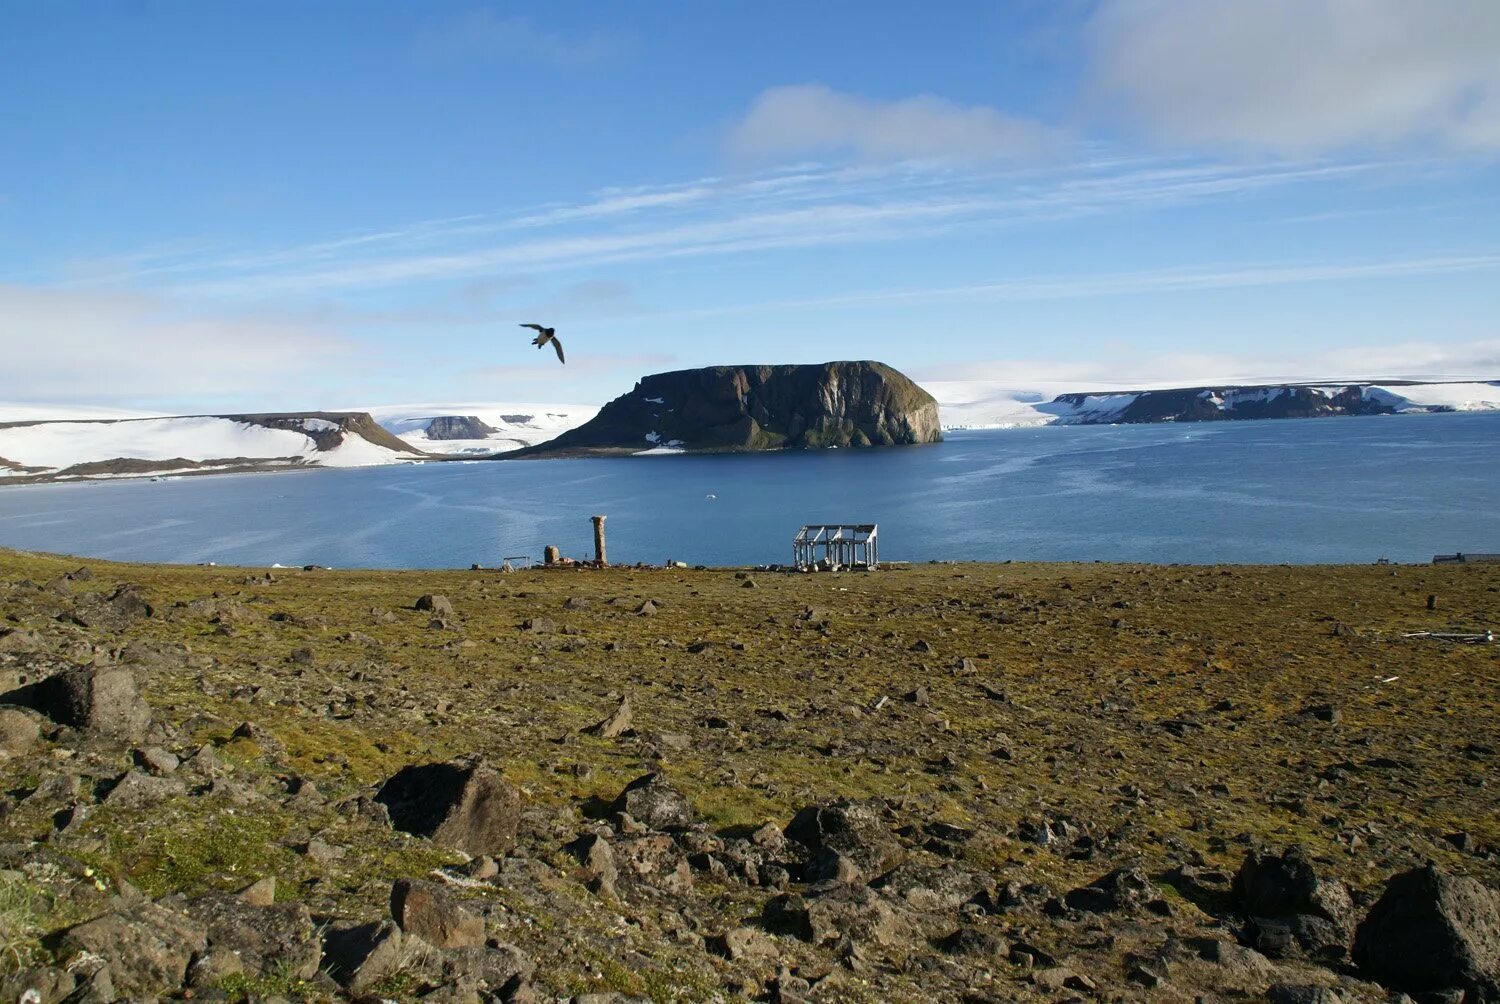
(109, 346)
(1300, 76)
(812, 119)
(1165, 280)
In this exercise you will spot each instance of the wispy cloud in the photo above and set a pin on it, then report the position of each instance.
(808, 206)
(1169, 280)
(813, 119)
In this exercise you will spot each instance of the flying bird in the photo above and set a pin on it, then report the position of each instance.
(545, 335)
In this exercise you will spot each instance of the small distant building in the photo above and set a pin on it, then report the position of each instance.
(830, 546)
(1463, 558)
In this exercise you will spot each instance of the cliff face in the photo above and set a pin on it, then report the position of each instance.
(459, 427)
(744, 408)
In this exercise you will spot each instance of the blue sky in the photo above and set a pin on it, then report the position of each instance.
(212, 206)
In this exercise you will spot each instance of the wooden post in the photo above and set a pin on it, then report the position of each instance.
(599, 540)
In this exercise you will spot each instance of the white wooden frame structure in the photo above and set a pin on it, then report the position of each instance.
(837, 545)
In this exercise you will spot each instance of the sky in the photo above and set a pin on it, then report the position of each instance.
(225, 206)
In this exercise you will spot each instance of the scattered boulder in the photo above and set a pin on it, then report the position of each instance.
(855, 829)
(1292, 910)
(147, 946)
(597, 859)
(137, 789)
(742, 942)
(272, 939)
(651, 801)
(436, 605)
(1430, 931)
(19, 732)
(616, 723)
(1121, 889)
(462, 804)
(833, 911)
(427, 911)
(361, 955)
(102, 699)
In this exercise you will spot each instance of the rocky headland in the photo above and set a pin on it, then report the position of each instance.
(970, 783)
(750, 408)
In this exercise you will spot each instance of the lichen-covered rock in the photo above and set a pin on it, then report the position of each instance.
(1430, 932)
(741, 408)
(266, 939)
(462, 804)
(18, 732)
(148, 947)
(1294, 911)
(427, 911)
(853, 829)
(102, 699)
(651, 801)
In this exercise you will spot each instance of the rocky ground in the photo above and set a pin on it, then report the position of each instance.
(943, 783)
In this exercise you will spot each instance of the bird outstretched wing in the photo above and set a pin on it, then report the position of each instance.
(534, 327)
(558, 346)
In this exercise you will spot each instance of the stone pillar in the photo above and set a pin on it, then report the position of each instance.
(599, 540)
(550, 554)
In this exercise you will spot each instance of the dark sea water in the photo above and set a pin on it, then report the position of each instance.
(1323, 490)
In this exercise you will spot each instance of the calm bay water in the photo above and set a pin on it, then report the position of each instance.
(1327, 490)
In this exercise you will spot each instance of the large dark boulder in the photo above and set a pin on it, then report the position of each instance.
(1292, 910)
(741, 408)
(654, 803)
(425, 909)
(462, 804)
(102, 699)
(854, 830)
(1431, 932)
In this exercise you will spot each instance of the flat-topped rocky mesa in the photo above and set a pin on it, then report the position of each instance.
(744, 408)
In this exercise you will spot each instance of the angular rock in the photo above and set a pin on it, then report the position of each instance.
(742, 943)
(18, 732)
(427, 911)
(614, 724)
(1121, 889)
(1292, 910)
(1430, 932)
(102, 699)
(137, 789)
(855, 829)
(462, 804)
(833, 911)
(268, 940)
(361, 955)
(653, 802)
(436, 605)
(147, 946)
(598, 860)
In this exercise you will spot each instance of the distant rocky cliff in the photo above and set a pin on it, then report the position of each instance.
(1214, 404)
(747, 408)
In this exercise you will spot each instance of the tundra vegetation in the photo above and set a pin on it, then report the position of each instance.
(943, 782)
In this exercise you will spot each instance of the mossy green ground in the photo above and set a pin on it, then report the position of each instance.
(1158, 704)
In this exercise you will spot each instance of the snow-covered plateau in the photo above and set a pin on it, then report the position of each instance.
(85, 448)
(976, 404)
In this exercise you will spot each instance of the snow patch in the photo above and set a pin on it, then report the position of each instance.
(515, 425)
